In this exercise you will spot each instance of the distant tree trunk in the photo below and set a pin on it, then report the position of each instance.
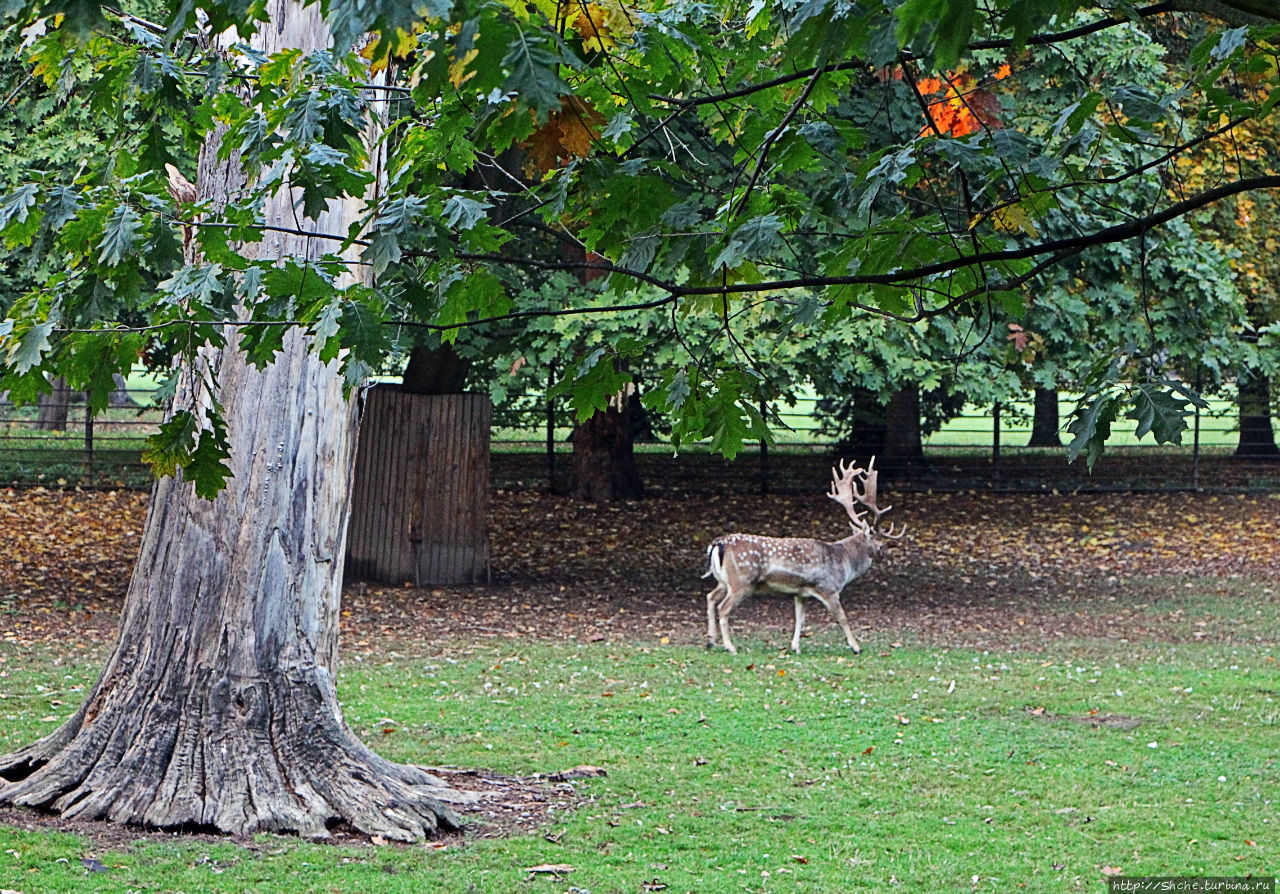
(1045, 420)
(121, 396)
(604, 466)
(435, 371)
(217, 707)
(52, 408)
(1257, 435)
(903, 455)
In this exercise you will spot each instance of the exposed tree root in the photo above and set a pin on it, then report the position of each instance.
(279, 760)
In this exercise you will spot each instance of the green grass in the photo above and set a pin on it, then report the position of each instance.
(920, 768)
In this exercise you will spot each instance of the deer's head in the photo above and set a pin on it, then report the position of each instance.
(854, 488)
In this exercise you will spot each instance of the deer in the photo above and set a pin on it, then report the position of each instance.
(804, 568)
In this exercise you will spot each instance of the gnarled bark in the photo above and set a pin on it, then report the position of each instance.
(217, 707)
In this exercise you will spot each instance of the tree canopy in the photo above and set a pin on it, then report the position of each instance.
(736, 168)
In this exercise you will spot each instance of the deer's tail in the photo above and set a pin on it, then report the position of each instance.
(715, 560)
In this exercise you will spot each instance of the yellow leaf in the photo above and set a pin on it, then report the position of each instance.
(458, 73)
(601, 24)
(1014, 219)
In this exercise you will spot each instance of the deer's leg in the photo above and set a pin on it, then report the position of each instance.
(713, 598)
(726, 606)
(832, 602)
(795, 637)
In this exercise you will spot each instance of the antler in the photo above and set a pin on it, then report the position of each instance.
(851, 485)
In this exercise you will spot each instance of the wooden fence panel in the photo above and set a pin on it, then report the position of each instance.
(419, 507)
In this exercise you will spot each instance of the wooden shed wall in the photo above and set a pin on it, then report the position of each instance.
(419, 511)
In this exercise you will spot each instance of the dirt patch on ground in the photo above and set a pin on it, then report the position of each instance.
(1097, 720)
(503, 806)
(975, 571)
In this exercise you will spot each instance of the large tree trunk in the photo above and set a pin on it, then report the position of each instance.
(1257, 435)
(903, 455)
(1045, 420)
(217, 708)
(604, 465)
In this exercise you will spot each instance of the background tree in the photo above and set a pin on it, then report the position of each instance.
(1249, 225)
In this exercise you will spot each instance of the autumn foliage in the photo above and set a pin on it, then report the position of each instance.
(959, 103)
(566, 134)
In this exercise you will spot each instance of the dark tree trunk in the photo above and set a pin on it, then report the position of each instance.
(217, 707)
(435, 371)
(52, 408)
(1045, 419)
(903, 455)
(604, 466)
(1257, 435)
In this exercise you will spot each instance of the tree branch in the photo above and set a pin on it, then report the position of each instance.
(1233, 12)
(773, 136)
(1106, 236)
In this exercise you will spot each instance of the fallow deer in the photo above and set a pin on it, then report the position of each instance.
(743, 564)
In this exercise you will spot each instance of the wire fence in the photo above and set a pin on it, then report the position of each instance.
(64, 445)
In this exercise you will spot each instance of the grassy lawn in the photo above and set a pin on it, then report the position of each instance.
(911, 767)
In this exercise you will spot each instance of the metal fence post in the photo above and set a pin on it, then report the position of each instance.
(1195, 445)
(995, 440)
(551, 429)
(764, 454)
(88, 440)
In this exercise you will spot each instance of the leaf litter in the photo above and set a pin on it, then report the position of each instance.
(976, 570)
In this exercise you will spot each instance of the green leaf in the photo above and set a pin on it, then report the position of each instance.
(531, 64)
(207, 467)
(1092, 426)
(750, 241)
(731, 422)
(201, 454)
(17, 205)
(304, 118)
(170, 448)
(463, 213)
(365, 338)
(61, 204)
(593, 382)
(942, 26)
(474, 295)
(119, 235)
(192, 284)
(93, 361)
(1228, 42)
(324, 329)
(677, 390)
(26, 351)
(281, 67)
(1160, 413)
